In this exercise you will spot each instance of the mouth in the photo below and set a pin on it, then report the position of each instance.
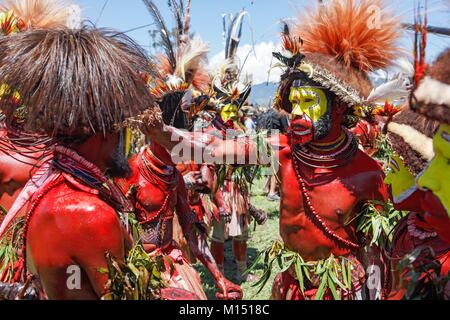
(303, 132)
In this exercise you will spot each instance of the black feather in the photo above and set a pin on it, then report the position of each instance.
(178, 13)
(165, 34)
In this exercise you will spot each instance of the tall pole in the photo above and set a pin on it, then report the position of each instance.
(431, 29)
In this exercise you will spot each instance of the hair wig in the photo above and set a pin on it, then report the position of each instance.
(74, 82)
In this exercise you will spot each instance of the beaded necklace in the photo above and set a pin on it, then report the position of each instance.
(164, 178)
(336, 159)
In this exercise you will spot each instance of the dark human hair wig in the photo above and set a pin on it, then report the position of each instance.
(413, 159)
(74, 82)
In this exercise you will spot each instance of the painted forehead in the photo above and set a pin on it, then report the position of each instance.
(300, 83)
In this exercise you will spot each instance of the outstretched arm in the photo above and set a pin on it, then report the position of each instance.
(206, 148)
(199, 246)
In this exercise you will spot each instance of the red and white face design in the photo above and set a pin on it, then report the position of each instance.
(310, 112)
(301, 129)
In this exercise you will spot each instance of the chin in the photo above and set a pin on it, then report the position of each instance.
(297, 139)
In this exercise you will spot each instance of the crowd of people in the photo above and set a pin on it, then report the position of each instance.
(120, 171)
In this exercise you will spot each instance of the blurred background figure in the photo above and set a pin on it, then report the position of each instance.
(274, 122)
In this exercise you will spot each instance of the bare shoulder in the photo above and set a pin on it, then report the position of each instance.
(82, 211)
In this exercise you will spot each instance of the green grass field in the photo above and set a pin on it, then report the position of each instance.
(260, 239)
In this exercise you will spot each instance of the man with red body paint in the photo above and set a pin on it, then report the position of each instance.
(75, 213)
(325, 178)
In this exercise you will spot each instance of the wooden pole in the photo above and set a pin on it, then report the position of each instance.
(431, 29)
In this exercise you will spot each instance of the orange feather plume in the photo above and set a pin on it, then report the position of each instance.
(358, 33)
(37, 14)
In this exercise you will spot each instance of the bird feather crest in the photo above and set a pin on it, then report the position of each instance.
(394, 89)
(39, 14)
(358, 33)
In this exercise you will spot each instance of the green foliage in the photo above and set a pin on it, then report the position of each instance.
(422, 274)
(385, 151)
(10, 245)
(334, 273)
(139, 278)
(377, 222)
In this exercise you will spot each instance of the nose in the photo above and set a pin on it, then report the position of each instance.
(297, 112)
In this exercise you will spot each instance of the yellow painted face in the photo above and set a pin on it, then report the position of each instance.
(311, 101)
(229, 112)
(399, 178)
(437, 176)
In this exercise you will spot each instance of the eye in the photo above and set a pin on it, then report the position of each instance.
(309, 100)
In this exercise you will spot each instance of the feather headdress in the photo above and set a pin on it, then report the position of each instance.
(432, 97)
(39, 14)
(337, 44)
(183, 63)
(227, 83)
(411, 137)
(396, 88)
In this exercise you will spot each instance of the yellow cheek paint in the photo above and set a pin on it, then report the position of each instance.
(229, 112)
(437, 176)
(310, 101)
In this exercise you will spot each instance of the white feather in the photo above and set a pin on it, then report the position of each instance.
(395, 89)
(191, 56)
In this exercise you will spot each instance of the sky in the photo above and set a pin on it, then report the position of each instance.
(261, 28)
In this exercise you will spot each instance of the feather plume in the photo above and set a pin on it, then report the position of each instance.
(177, 12)
(190, 57)
(187, 18)
(234, 34)
(190, 63)
(39, 14)
(165, 34)
(397, 88)
(349, 31)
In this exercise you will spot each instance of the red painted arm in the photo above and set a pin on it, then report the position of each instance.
(199, 246)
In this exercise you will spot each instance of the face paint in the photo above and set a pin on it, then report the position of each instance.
(311, 113)
(402, 182)
(312, 102)
(437, 176)
(229, 112)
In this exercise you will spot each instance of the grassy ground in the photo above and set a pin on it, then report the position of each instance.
(260, 239)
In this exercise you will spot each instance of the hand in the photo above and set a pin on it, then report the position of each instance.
(225, 214)
(228, 290)
(194, 180)
(151, 122)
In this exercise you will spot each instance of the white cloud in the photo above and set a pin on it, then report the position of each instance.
(257, 59)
